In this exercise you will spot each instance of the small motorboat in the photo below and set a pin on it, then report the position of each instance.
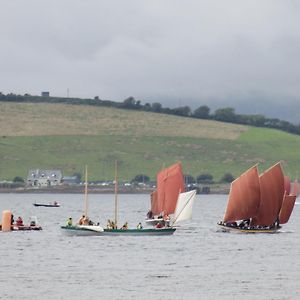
(33, 225)
(54, 204)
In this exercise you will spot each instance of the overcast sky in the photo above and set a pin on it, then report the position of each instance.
(242, 53)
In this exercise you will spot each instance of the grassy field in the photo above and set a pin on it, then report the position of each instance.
(69, 136)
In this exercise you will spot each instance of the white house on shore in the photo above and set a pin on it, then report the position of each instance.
(44, 178)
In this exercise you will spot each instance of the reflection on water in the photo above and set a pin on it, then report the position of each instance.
(198, 262)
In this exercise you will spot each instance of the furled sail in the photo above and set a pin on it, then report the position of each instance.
(286, 208)
(244, 196)
(184, 206)
(271, 196)
(170, 183)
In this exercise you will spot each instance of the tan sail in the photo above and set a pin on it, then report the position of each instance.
(244, 196)
(271, 196)
(287, 185)
(286, 208)
(170, 183)
(154, 203)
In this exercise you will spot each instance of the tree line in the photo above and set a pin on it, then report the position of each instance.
(226, 114)
(204, 178)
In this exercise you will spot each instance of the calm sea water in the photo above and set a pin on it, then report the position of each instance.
(197, 262)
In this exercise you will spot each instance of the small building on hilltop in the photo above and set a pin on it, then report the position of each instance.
(44, 178)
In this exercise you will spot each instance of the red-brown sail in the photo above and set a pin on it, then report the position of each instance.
(271, 196)
(170, 183)
(286, 208)
(295, 188)
(287, 185)
(244, 196)
(154, 203)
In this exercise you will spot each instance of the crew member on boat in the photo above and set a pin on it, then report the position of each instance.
(159, 225)
(125, 226)
(139, 226)
(69, 222)
(109, 225)
(150, 214)
(83, 220)
(166, 220)
(19, 221)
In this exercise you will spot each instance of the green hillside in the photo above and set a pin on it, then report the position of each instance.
(67, 137)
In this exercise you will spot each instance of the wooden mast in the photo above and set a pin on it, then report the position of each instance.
(85, 193)
(116, 194)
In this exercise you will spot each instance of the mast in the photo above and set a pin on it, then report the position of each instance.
(116, 193)
(85, 193)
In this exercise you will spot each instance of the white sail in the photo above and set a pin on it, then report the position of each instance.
(184, 206)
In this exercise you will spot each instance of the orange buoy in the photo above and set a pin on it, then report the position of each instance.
(6, 220)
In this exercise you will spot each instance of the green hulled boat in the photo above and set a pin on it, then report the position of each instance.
(95, 230)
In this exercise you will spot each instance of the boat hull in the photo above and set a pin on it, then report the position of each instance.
(82, 230)
(155, 221)
(140, 232)
(46, 205)
(239, 230)
(79, 231)
(25, 228)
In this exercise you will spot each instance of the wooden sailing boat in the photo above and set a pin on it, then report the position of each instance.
(88, 228)
(98, 230)
(170, 183)
(258, 203)
(132, 231)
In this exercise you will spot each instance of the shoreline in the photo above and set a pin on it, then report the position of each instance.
(97, 190)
